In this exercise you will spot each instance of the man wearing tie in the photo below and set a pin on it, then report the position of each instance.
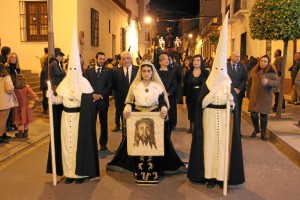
(121, 80)
(99, 77)
(238, 75)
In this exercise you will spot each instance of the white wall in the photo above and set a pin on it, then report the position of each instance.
(65, 12)
(10, 36)
(107, 11)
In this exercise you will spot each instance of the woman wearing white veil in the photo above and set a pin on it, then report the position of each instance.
(147, 93)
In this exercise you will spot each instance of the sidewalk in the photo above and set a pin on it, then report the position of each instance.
(38, 130)
(284, 133)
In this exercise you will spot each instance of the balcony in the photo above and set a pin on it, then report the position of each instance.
(213, 23)
(240, 9)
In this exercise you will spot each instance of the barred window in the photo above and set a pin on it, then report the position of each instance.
(33, 21)
(94, 27)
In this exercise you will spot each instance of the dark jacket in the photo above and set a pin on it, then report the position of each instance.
(102, 85)
(44, 76)
(56, 73)
(260, 97)
(188, 84)
(238, 77)
(120, 85)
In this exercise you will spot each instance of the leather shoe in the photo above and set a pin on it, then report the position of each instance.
(116, 129)
(103, 148)
(69, 180)
(220, 183)
(80, 180)
(211, 183)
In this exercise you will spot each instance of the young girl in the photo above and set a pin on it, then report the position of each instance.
(22, 115)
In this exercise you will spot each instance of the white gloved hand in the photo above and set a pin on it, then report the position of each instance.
(229, 97)
(232, 105)
(49, 93)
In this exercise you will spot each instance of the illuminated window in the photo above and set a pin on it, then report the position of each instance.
(94, 27)
(33, 21)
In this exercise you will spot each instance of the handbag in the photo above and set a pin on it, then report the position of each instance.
(31, 104)
(14, 100)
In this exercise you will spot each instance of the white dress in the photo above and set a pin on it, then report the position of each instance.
(214, 123)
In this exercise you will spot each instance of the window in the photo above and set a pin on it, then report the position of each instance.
(33, 21)
(94, 27)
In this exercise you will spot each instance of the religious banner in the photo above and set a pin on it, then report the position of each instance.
(145, 134)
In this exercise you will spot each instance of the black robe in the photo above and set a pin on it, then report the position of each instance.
(87, 160)
(170, 163)
(196, 161)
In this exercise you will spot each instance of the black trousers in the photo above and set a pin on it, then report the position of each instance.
(101, 109)
(172, 112)
(45, 101)
(238, 107)
(119, 105)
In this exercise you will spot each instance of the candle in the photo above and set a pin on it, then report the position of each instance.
(52, 134)
(49, 85)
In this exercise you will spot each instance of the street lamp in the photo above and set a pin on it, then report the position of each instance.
(162, 43)
(148, 20)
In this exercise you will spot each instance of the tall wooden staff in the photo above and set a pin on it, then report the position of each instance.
(52, 134)
(227, 136)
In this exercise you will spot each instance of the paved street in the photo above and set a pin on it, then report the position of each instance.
(269, 173)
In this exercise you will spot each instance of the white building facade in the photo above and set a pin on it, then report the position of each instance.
(110, 26)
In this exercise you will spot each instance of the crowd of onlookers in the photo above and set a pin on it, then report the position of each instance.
(15, 110)
(177, 88)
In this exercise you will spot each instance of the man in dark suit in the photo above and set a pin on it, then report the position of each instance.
(99, 77)
(238, 75)
(121, 80)
(178, 75)
(117, 114)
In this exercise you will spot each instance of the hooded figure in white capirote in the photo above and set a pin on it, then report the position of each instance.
(206, 163)
(79, 154)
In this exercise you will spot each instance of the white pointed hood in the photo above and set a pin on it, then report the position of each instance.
(74, 84)
(218, 78)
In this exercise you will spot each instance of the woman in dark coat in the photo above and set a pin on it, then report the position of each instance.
(168, 78)
(262, 80)
(193, 80)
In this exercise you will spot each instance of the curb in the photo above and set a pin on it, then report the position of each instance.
(280, 143)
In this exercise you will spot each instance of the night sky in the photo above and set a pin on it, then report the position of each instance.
(173, 9)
